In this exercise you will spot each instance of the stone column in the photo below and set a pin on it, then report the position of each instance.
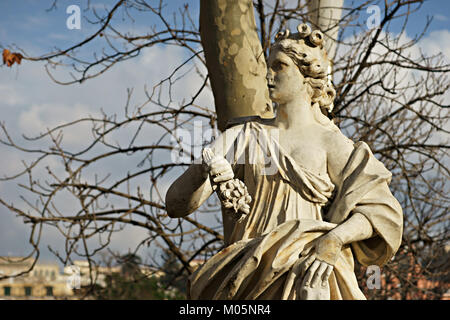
(325, 15)
(234, 59)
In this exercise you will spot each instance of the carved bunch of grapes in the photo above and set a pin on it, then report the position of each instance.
(234, 195)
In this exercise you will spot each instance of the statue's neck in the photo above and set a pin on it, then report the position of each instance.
(295, 114)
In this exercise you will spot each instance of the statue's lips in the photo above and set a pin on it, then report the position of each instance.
(271, 86)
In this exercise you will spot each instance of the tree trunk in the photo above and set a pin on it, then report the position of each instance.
(235, 59)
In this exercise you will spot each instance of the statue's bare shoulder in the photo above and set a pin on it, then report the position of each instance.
(338, 148)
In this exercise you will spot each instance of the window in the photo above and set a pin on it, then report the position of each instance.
(49, 291)
(7, 291)
(27, 291)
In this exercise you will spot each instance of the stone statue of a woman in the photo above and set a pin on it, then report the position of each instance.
(318, 200)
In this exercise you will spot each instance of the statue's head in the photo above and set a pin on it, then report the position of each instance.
(305, 51)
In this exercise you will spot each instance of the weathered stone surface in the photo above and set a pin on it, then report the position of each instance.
(234, 59)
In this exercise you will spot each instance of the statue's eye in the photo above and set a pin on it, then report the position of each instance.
(278, 65)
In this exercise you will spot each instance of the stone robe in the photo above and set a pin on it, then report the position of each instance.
(291, 207)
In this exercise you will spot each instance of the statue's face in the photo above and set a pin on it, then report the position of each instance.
(284, 78)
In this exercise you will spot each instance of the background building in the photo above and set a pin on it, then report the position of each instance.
(45, 281)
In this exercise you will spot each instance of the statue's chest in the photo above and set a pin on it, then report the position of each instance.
(306, 152)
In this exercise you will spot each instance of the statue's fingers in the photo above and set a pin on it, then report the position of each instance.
(317, 278)
(229, 175)
(311, 271)
(305, 252)
(306, 264)
(326, 275)
(218, 160)
(224, 177)
(219, 169)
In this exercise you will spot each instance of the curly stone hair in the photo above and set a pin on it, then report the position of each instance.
(313, 69)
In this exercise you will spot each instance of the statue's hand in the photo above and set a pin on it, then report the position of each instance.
(220, 170)
(326, 249)
(317, 274)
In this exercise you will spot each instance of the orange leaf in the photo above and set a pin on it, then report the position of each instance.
(9, 58)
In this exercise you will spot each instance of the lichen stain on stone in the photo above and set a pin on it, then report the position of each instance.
(243, 5)
(222, 47)
(252, 80)
(244, 23)
(236, 32)
(243, 66)
(219, 20)
(233, 49)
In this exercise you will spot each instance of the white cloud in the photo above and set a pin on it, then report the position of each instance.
(10, 97)
(437, 42)
(41, 117)
(440, 17)
(11, 163)
(434, 43)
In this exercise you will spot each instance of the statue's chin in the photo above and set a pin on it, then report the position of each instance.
(277, 96)
(274, 99)
(273, 96)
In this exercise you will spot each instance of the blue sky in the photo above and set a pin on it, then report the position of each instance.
(28, 23)
(31, 101)
(437, 9)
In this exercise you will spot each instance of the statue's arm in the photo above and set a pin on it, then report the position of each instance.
(193, 187)
(328, 248)
(357, 227)
(188, 192)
